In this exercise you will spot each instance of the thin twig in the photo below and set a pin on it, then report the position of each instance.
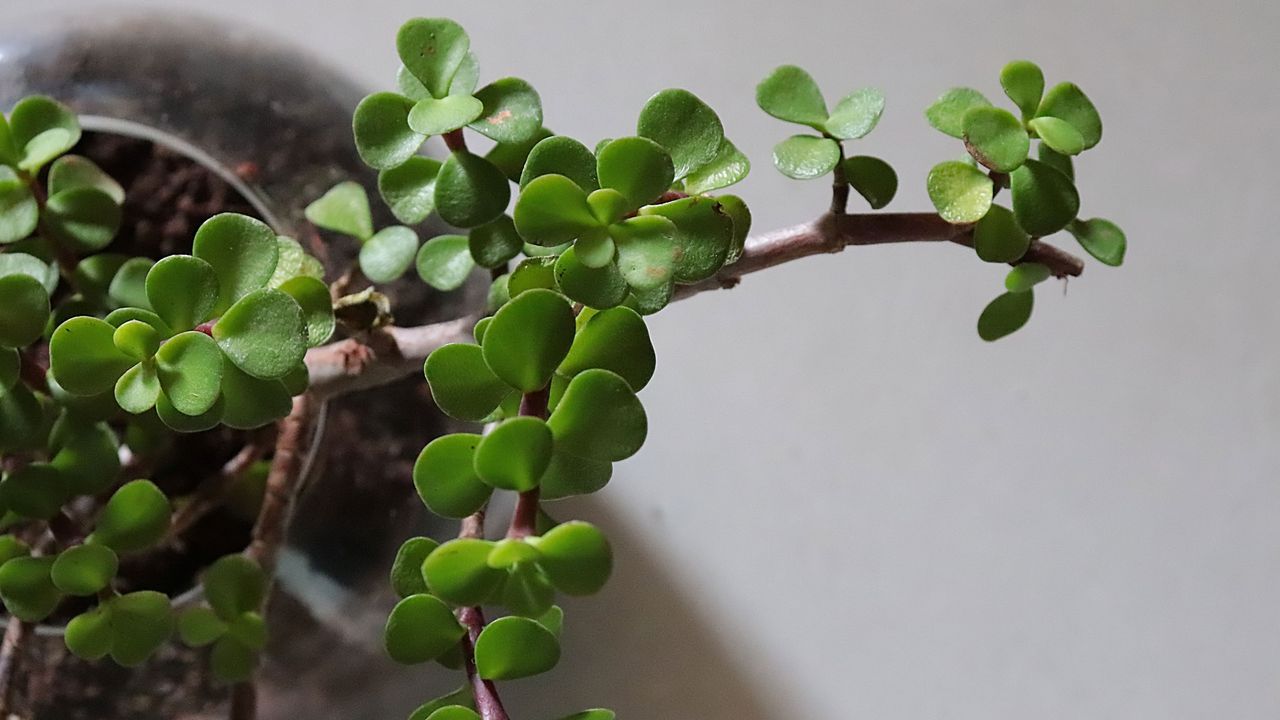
(11, 654)
(391, 353)
(486, 693)
(244, 701)
(283, 481)
(213, 491)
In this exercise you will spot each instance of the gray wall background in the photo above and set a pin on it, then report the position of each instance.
(849, 506)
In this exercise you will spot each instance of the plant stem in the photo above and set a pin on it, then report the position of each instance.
(839, 186)
(11, 652)
(455, 140)
(524, 520)
(212, 492)
(244, 701)
(283, 481)
(486, 693)
(391, 353)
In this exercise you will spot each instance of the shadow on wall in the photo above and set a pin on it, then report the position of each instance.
(640, 647)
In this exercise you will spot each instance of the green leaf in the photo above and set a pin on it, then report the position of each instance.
(199, 626)
(138, 388)
(515, 453)
(36, 491)
(1102, 239)
(873, 178)
(1026, 276)
(608, 206)
(594, 287)
(73, 171)
(263, 334)
(510, 158)
(454, 712)
(83, 356)
(461, 696)
(84, 569)
(512, 111)
(421, 628)
(345, 209)
(495, 244)
(577, 557)
(686, 127)
(462, 385)
(856, 114)
(616, 340)
(805, 157)
(19, 212)
(533, 273)
(1060, 135)
(250, 629)
(740, 214)
(527, 590)
(446, 478)
(1057, 161)
(553, 620)
(183, 290)
(727, 167)
(10, 371)
(387, 255)
(647, 250)
(20, 263)
(189, 367)
(595, 249)
(26, 588)
(381, 128)
(42, 129)
(1044, 200)
(406, 570)
(248, 402)
(571, 475)
(175, 420)
(528, 339)
(561, 155)
(231, 661)
(704, 233)
(789, 93)
(465, 80)
(86, 219)
(135, 518)
(234, 585)
(141, 622)
(128, 287)
(1023, 83)
(458, 572)
(599, 417)
(243, 252)
(998, 238)
(961, 192)
(637, 167)
(1066, 101)
(1005, 314)
(514, 647)
(553, 210)
(8, 149)
(409, 189)
(509, 552)
(89, 460)
(593, 714)
(24, 419)
(24, 312)
(946, 114)
(444, 262)
(995, 138)
(437, 116)
(433, 49)
(89, 635)
(470, 190)
(313, 297)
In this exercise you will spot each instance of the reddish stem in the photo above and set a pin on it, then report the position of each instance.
(486, 694)
(524, 521)
(455, 140)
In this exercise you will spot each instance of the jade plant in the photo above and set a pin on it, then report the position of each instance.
(105, 356)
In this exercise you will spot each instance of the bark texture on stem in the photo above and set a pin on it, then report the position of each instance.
(283, 481)
(11, 652)
(392, 353)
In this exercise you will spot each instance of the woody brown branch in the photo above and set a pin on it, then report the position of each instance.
(388, 354)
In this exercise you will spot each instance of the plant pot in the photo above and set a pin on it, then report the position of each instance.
(274, 124)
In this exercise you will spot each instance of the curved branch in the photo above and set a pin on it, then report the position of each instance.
(392, 353)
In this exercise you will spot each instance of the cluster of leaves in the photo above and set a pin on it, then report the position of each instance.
(790, 93)
(137, 350)
(598, 237)
(1044, 200)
